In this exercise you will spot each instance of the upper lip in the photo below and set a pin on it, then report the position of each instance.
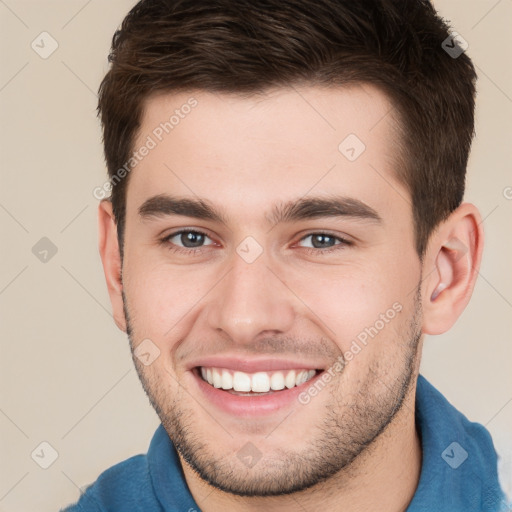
(252, 365)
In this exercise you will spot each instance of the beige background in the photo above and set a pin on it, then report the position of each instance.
(66, 373)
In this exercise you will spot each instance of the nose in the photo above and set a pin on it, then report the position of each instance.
(250, 301)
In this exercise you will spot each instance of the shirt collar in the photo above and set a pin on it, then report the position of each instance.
(459, 463)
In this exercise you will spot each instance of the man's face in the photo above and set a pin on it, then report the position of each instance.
(258, 291)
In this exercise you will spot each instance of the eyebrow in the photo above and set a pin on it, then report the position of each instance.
(317, 207)
(163, 205)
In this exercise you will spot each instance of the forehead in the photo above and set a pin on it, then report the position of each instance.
(251, 150)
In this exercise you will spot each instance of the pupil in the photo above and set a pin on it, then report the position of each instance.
(323, 241)
(191, 238)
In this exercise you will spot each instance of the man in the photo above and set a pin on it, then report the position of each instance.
(285, 224)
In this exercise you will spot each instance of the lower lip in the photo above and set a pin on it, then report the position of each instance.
(251, 405)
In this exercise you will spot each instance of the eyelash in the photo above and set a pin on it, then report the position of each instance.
(310, 250)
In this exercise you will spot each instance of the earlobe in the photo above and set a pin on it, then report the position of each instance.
(455, 252)
(111, 259)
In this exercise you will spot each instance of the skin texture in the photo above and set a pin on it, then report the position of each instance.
(354, 446)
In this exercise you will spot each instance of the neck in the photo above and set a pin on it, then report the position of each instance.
(384, 477)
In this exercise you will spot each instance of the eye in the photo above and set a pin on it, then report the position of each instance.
(324, 242)
(190, 241)
(186, 240)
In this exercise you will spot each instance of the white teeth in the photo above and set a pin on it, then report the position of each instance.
(277, 381)
(289, 380)
(241, 381)
(259, 382)
(227, 380)
(217, 379)
(302, 377)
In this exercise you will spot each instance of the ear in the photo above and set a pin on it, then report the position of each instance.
(111, 259)
(451, 267)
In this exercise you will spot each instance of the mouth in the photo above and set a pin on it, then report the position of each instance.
(253, 388)
(260, 383)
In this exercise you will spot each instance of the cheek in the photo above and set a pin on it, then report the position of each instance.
(158, 297)
(349, 310)
(165, 301)
(364, 306)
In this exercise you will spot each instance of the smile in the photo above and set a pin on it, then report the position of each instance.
(259, 382)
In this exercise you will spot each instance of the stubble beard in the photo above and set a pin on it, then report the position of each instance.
(346, 431)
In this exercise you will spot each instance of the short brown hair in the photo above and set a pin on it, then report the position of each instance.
(247, 47)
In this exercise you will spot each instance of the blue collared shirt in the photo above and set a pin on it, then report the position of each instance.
(458, 472)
